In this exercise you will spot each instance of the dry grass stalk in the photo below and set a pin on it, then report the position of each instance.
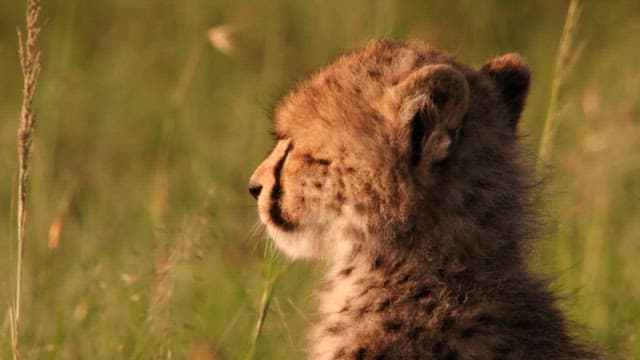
(565, 59)
(273, 272)
(185, 247)
(30, 58)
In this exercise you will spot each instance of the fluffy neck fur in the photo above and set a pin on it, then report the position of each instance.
(405, 306)
(456, 288)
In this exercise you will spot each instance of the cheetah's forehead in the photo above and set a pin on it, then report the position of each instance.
(347, 94)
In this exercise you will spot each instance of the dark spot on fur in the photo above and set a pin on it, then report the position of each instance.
(430, 307)
(437, 348)
(451, 355)
(422, 292)
(468, 201)
(384, 305)
(336, 329)
(403, 279)
(333, 83)
(341, 352)
(346, 272)
(378, 262)
(482, 184)
(357, 90)
(374, 74)
(396, 266)
(317, 185)
(447, 323)
(364, 310)
(502, 349)
(366, 290)
(350, 170)
(468, 332)
(360, 208)
(391, 325)
(415, 332)
(360, 353)
(485, 319)
(462, 299)
(340, 197)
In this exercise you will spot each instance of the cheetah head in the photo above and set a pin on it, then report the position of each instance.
(358, 142)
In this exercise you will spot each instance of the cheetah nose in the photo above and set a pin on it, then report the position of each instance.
(255, 190)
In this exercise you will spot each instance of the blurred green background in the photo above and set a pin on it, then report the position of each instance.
(142, 240)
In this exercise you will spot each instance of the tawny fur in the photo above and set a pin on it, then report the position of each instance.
(401, 167)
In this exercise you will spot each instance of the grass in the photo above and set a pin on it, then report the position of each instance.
(140, 236)
(30, 64)
(565, 59)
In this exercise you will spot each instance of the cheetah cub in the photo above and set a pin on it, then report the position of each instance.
(401, 168)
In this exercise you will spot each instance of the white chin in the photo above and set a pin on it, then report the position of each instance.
(296, 244)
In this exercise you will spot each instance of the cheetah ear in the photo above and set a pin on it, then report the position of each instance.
(512, 75)
(432, 102)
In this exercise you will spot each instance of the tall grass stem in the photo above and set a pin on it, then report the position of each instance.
(273, 272)
(30, 57)
(565, 59)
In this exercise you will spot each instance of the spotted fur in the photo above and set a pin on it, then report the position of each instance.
(401, 168)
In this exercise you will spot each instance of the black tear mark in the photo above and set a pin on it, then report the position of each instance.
(276, 196)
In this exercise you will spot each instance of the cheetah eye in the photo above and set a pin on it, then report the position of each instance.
(310, 159)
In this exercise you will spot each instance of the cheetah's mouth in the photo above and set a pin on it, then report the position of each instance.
(276, 214)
